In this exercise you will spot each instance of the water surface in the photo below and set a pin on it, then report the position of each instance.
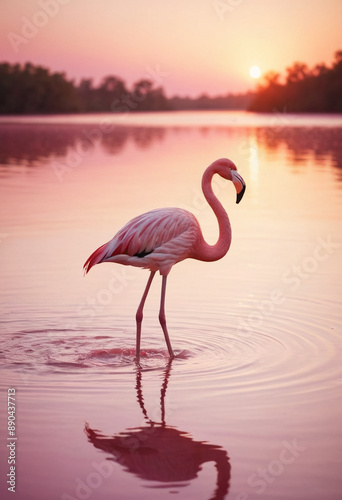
(251, 406)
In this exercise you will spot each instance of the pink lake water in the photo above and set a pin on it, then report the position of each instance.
(250, 408)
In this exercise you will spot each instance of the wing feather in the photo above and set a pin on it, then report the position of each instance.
(149, 231)
(158, 230)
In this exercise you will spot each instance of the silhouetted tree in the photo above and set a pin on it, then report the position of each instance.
(297, 72)
(148, 98)
(304, 90)
(111, 90)
(32, 89)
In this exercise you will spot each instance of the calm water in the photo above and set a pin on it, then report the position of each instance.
(251, 406)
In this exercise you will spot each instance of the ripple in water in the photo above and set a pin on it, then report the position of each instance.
(118, 357)
(289, 353)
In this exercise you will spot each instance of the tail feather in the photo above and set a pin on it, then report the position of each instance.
(95, 257)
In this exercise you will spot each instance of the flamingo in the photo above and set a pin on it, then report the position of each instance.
(158, 239)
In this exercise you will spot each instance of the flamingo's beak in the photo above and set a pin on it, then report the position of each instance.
(239, 184)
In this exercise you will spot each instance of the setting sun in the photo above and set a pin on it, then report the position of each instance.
(255, 72)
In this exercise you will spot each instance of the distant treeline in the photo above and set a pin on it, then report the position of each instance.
(29, 89)
(33, 89)
(317, 90)
(228, 101)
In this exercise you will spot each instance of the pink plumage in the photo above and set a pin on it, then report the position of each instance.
(155, 240)
(160, 238)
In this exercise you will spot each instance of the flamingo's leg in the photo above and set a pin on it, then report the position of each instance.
(162, 318)
(139, 314)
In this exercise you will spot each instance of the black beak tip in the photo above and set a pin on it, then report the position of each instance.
(240, 195)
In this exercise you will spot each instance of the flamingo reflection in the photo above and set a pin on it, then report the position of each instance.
(158, 452)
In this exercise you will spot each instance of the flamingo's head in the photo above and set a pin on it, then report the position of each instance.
(227, 169)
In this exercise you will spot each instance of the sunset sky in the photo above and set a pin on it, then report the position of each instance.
(187, 46)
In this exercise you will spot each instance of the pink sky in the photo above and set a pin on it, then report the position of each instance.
(187, 46)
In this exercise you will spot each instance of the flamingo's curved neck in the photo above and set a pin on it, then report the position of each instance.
(204, 251)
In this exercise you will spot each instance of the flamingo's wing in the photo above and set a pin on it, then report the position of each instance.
(146, 233)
